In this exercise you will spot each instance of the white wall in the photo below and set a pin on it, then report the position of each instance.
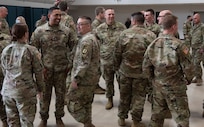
(134, 2)
(25, 3)
(124, 8)
(122, 12)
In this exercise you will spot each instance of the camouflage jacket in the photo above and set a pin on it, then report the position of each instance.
(4, 41)
(186, 29)
(197, 36)
(155, 28)
(108, 36)
(20, 62)
(96, 23)
(55, 44)
(4, 27)
(86, 60)
(40, 22)
(68, 21)
(130, 49)
(167, 62)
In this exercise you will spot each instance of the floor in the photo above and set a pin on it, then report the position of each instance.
(108, 118)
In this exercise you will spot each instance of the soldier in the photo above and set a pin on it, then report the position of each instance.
(20, 19)
(66, 19)
(41, 21)
(4, 41)
(160, 18)
(84, 73)
(99, 12)
(167, 63)
(128, 58)
(186, 30)
(108, 32)
(150, 23)
(4, 27)
(197, 44)
(55, 41)
(20, 62)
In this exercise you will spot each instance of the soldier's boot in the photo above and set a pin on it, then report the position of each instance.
(4, 123)
(168, 114)
(99, 90)
(199, 82)
(88, 124)
(137, 124)
(43, 123)
(109, 104)
(59, 122)
(121, 122)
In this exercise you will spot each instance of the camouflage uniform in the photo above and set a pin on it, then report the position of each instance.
(55, 44)
(155, 28)
(128, 58)
(40, 22)
(4, 27)
(96, 23)
(186, 32)
(68, 21)
(85, 68)
(4, 41)
(197, 44)
(19, 62)
(167, 63)
(108, 35)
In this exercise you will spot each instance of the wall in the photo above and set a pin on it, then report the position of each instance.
(122, 12)
(30, 14)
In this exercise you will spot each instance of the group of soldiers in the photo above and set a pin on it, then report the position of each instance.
(146, 59)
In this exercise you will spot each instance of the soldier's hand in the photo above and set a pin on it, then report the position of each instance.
(74, 84)
(40, 95)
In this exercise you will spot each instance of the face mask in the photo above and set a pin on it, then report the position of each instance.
(18, 21)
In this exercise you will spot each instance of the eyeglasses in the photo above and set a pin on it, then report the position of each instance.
(81, 24)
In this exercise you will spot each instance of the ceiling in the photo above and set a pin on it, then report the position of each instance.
(45, 1)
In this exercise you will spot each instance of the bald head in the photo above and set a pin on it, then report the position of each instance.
(3, 12)
(162, 14)
(196, 18)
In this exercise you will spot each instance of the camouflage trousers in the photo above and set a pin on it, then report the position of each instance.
(2, 107)
(197, 58)
(108, 74)
(58, 81)
(132, 97)
(20, 110)
(80, 103)
(176, 100)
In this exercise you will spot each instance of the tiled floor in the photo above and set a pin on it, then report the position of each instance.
(108, 118)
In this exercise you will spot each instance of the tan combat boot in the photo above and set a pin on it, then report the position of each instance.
(109, 105)
(4, 123)
(121, 122)
(137, 124)
(99, 90)
(43, 123)
(199, 82)
(59, 122)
